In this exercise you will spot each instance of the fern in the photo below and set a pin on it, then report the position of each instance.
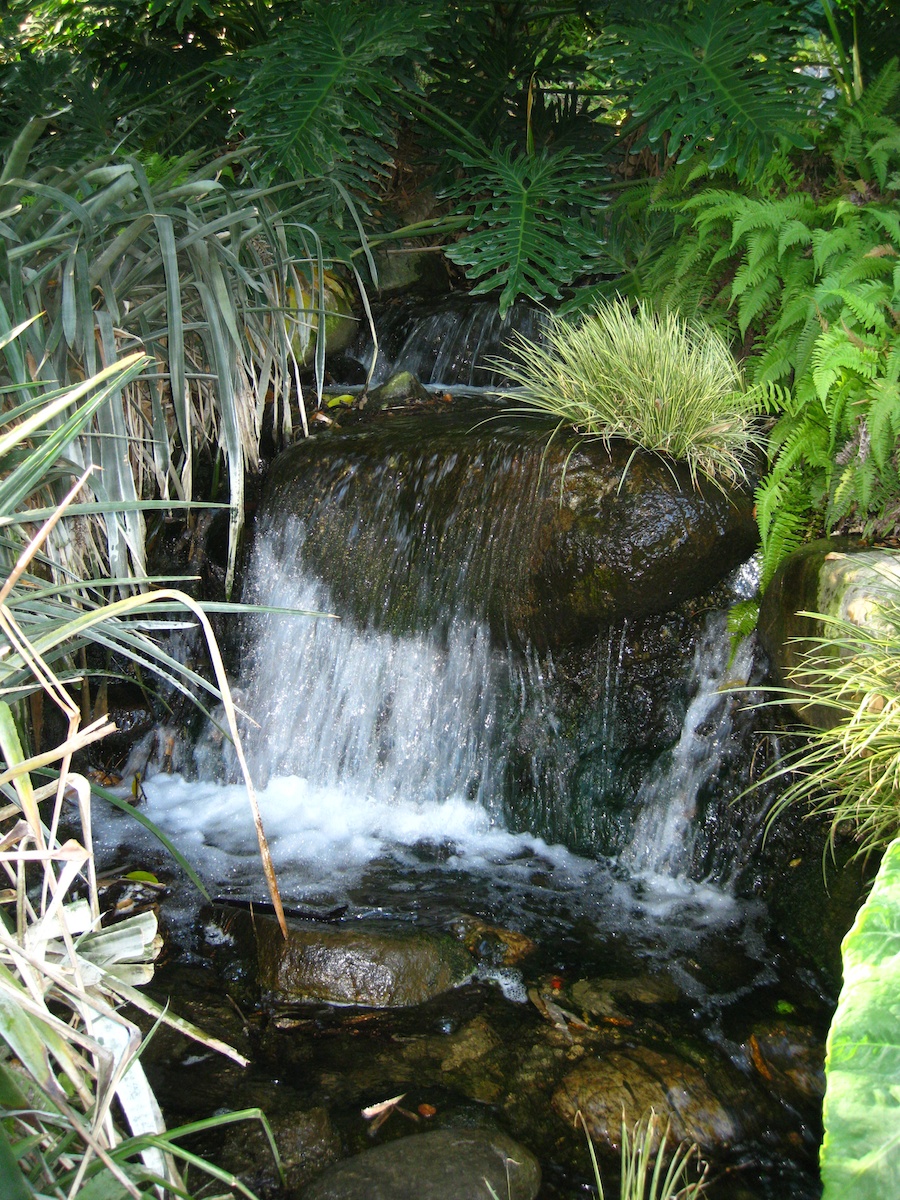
(864, 141)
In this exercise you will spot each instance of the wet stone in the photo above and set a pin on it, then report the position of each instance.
(402, 388)
(306, 1142)
(790, 1059)
(637, 1080)
(449, 1164)
(369, 964)
(605, 997)
(491, 943)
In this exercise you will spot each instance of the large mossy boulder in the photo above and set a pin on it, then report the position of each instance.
(418, 519)
(832, 578)
(450, 1164)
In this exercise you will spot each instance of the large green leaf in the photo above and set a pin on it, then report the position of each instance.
(313, 97)
(860, 1156)
(721, 79)
(527, 234)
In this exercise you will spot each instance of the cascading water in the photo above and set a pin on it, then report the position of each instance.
(450, 343)
(458, 744)
(425, 712)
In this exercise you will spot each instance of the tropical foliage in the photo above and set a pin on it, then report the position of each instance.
(850, 773)
(66, 1052)
(719, 79)
(859, 1152)
(668, 386)
(187, 268)
(736, 162)
(807, 281)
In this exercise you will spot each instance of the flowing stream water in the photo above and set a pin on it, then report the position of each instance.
(421, 767)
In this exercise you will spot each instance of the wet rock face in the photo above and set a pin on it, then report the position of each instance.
(450, 1164)
(360, 963)
(633, 538)
(788, 1058)
(836, 577)
(417, 516)
(306, 1145)
(636, 1080)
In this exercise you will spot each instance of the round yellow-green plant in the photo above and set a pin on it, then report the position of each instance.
(668, 385)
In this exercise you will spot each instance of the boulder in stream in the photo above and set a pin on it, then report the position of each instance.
(372, 964)
(450, 1164)
(636, 1080)
(561, 536)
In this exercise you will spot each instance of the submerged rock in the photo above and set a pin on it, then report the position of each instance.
(790, 1059)
(402, 388)
(491, 943)
(306, 1142)
(635, 1080)
(450, 1164)
(603, 997)
(366, 963)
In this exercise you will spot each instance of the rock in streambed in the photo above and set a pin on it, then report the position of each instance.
(450, 1164)
(368, 963)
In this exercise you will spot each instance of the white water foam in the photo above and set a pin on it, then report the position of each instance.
(323, 838)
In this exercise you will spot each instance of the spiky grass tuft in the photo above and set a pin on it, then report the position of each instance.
(668, 385)
(851, 772)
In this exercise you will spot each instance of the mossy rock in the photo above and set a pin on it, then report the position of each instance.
(561, 537)
(372, 964)
(449, 1164)
(639, 1079)
(834, 577)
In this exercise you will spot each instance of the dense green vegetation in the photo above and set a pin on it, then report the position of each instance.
(733, 161)
(177, 172)
(668, 386)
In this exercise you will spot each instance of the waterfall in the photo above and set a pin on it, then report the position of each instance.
(662, 841)
(451, 342)
(390, 716)
(443, 698)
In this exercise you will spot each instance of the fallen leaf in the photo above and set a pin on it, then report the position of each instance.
(384, 1106)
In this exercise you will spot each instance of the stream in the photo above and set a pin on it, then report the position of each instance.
(425, 760)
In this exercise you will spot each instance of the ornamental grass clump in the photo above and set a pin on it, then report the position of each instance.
(851, 772)
(668, 385)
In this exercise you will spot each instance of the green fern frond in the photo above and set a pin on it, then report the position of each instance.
(793, 233)
(883, 421)
(782, 512)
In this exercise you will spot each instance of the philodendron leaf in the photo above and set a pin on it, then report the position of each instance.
(860, 1154)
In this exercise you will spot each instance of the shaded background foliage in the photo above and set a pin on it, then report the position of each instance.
(724, 158)
(181, 175)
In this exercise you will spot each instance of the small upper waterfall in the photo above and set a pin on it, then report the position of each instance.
(451, 342)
